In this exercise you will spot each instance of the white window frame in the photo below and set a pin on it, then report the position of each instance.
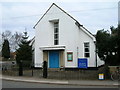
(56, 40)
(87, 47)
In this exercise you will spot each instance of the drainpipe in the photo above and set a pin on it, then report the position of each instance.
(77, 52)
(96, 52)
(96, 55)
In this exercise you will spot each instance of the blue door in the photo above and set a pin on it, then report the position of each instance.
(53, 59)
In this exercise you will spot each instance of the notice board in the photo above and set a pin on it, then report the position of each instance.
(82, 63)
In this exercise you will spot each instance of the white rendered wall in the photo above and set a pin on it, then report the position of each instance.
(69, 35)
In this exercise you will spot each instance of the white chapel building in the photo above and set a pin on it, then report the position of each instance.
(63, 42)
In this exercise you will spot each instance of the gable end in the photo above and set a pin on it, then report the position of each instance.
(61, 10)
(76, 22)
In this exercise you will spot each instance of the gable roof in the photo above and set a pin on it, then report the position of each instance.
(61, 10)
(76, 22)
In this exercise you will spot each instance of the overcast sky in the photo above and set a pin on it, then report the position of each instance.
(16, 16)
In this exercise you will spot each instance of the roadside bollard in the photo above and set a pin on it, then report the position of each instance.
(20, 68)
(44, 69)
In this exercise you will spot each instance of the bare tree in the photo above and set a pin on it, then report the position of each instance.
(14, 39)
(6, 35)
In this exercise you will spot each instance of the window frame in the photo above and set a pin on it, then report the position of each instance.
(85, 48)
(56, 33)
(71, 54)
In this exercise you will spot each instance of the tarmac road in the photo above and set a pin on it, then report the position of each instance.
(17, 84)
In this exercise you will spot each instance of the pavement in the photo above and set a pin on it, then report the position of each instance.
(61, 82)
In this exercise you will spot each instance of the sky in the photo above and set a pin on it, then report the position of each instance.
(23, 15)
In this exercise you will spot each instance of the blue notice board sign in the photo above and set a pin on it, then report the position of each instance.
(82, 62)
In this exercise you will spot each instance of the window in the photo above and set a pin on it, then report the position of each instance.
(69, 56)
(56, 33)
(86, 49)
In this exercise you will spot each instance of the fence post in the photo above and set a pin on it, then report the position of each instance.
(20, 68)
(32, 69)
(44, 69)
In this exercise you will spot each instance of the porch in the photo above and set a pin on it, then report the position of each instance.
(54, 56)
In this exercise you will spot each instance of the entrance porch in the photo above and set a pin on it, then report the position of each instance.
(54, 56)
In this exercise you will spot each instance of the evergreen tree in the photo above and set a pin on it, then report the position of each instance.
(102, 38)
(118, 43)
(108, 44)
(24, 52)
(6, 49)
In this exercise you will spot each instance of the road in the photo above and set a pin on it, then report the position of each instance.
(16, 84)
